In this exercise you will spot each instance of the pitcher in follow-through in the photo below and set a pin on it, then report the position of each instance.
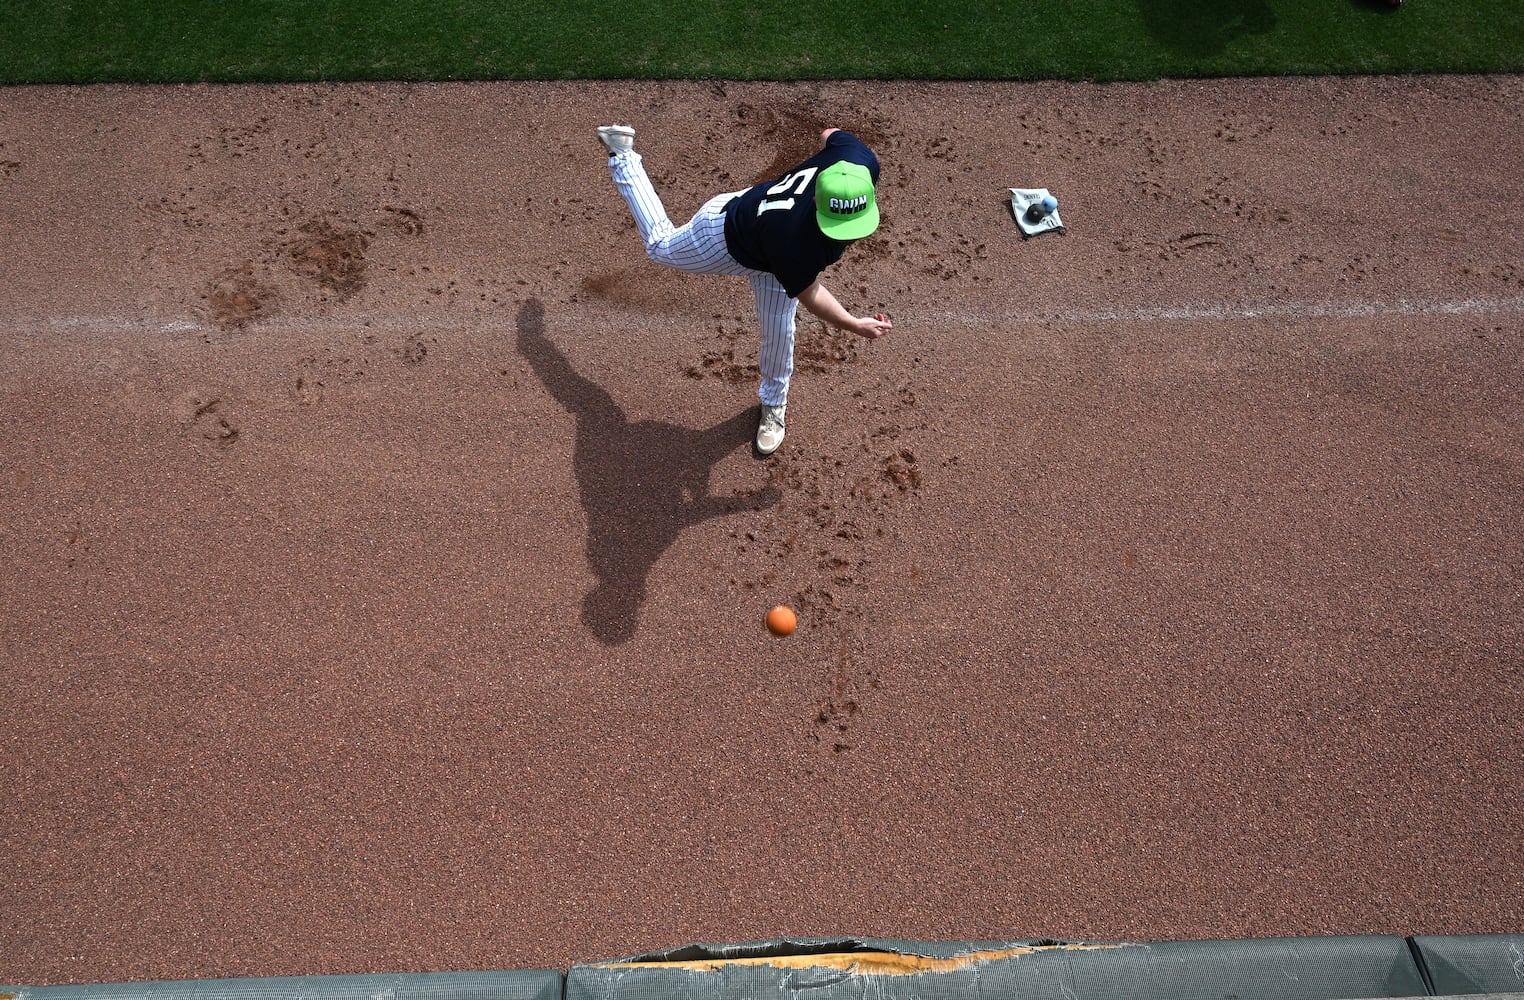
(779, 234)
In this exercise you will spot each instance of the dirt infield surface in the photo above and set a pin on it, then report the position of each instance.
(386, 561)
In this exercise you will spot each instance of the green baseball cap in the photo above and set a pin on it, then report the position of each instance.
(844, 204)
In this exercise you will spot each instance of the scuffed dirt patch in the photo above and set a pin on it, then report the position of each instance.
(330, 257)
(238, 297)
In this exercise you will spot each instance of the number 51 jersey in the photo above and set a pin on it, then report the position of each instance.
(771, 227)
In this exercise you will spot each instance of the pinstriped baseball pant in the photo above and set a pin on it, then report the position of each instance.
(699, 248)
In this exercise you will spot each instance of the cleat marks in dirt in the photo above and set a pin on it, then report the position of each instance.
(76, 544)
(318, 373)
(1235, 128)
(722, 364)
(821, 349)
(415, 349)
(841, 499)
(309, 245)
(403, 221)
(208, 419)
(848, 685)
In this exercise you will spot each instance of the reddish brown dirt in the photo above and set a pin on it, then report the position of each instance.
(386, 564)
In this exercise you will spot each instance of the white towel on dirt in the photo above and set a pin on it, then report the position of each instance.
(1023, 199)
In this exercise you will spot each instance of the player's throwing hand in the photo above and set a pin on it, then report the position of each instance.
(873, 327)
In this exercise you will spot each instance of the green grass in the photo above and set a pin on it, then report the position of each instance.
(83, 41)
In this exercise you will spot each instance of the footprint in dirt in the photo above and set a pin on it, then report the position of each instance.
(841, 709)
(78, 542)
(820, 349)
(404, 220)
(901, 471)
(415, 349)
(206, 417)
(309, 383)
(325, 369)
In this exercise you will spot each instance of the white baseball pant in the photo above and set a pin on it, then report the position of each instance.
(699, 248)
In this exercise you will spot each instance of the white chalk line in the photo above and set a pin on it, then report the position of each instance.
(38, 325)
(1226, 313)
(1331, 310)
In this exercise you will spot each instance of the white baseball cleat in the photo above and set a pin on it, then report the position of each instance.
(617, 138)
(770, 428)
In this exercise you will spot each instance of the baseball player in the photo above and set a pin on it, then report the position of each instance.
(779, 235)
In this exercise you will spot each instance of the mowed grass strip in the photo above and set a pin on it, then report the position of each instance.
(177, 41)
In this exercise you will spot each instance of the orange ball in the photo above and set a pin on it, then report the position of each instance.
(781, 621)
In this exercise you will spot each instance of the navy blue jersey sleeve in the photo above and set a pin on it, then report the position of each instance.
(771, 227)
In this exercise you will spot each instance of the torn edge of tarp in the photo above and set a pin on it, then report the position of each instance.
(862, 956)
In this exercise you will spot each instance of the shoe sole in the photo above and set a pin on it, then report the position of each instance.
(605, 132)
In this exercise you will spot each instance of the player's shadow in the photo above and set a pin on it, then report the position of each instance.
(641, 484)
(1199, 28)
